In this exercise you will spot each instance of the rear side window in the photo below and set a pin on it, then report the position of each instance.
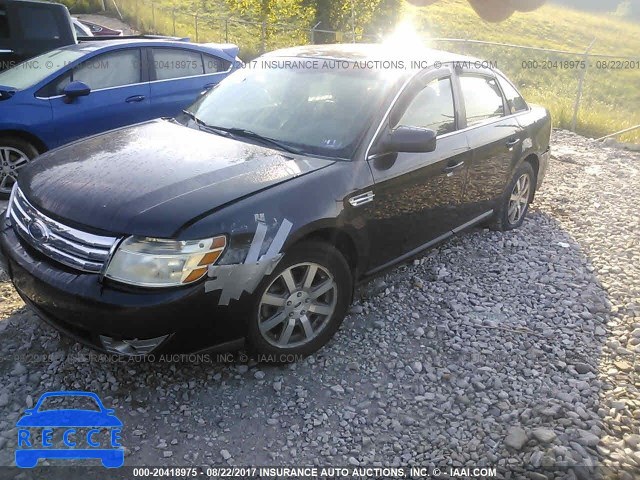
(482, 98)
(515, 102)
(4, 24)
(214, 64)
(38, 23)
(172, 63)
(432, 108)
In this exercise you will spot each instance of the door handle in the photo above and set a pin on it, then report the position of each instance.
(513, 142)
(452, 168)
(135, 99)
(209, 86)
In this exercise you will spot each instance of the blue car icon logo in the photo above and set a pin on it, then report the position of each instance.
(50, 430)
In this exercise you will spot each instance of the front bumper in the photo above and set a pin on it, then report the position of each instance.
(186, 319)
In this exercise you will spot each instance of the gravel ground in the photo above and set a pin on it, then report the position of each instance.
(512, 350)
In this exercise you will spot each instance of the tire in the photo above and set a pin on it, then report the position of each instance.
(282, 302)
(506, 218)
(15, 153)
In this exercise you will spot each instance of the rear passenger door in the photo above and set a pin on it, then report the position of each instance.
(417, 195)
(179, 75)
(495, 138)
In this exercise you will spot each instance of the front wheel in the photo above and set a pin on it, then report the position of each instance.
(299, 307)
(514, 205)
(15, 153)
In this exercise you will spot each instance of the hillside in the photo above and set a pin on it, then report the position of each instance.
(611, 96)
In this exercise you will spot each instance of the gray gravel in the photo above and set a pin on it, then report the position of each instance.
(511, 350)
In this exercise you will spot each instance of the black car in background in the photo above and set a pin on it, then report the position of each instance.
(29, 28)
(253, 215)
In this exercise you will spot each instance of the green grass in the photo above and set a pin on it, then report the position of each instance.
(610, 100)
(611, 97)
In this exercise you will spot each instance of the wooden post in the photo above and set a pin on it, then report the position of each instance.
(173, 16)
(226, 30)
(263, 37)
(626, 130)
(153, 17)
(196, 20)
(583, 73)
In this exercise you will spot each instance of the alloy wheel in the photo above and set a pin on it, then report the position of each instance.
(297, 305)
(11, 160)
(519, 200)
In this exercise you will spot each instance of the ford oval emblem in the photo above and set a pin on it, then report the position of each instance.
(38, 231)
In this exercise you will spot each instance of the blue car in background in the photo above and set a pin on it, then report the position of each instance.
(84, 89)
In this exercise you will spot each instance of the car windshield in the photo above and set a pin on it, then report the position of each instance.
(34, 70)
(69, 402)
(319, 111)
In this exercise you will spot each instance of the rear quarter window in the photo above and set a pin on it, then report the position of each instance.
(4, 24)
(38, 23)
(214, 64)
(515, 101)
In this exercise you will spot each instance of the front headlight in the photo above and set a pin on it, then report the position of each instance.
(156, 262)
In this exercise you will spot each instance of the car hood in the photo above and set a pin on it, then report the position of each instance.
(153, 178)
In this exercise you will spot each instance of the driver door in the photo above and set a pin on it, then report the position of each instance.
(418, 195)
(119, 95)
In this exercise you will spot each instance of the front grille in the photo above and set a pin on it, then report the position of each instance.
(73, 248)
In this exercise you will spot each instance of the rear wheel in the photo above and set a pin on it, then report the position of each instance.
(515, 202)
(299, 307)
(15, 153)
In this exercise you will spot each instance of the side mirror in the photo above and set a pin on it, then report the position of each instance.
(410, 140)
(75, 90)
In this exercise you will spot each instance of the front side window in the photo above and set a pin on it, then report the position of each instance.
(176, 63)
(432, 108)
(113, 69)
(515, 102)
(482, 98)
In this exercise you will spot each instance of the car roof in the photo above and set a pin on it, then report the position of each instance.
(369, 51)
(91, 46)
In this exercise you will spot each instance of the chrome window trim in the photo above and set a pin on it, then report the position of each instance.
(139, 83)
(386, 114)
(462, 130)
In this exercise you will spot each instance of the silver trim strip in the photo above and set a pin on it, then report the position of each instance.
(359, 200)
(71, 247)
(471, 223)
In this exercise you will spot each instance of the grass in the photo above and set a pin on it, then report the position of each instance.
(610, 100)
(611, 97)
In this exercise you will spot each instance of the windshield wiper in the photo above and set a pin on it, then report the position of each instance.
(203, 125)
(241, 132)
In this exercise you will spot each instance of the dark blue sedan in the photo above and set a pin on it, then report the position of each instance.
(84, 89)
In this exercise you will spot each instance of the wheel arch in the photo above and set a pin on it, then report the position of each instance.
(534, 161)
(340, 239)
(27, 137)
